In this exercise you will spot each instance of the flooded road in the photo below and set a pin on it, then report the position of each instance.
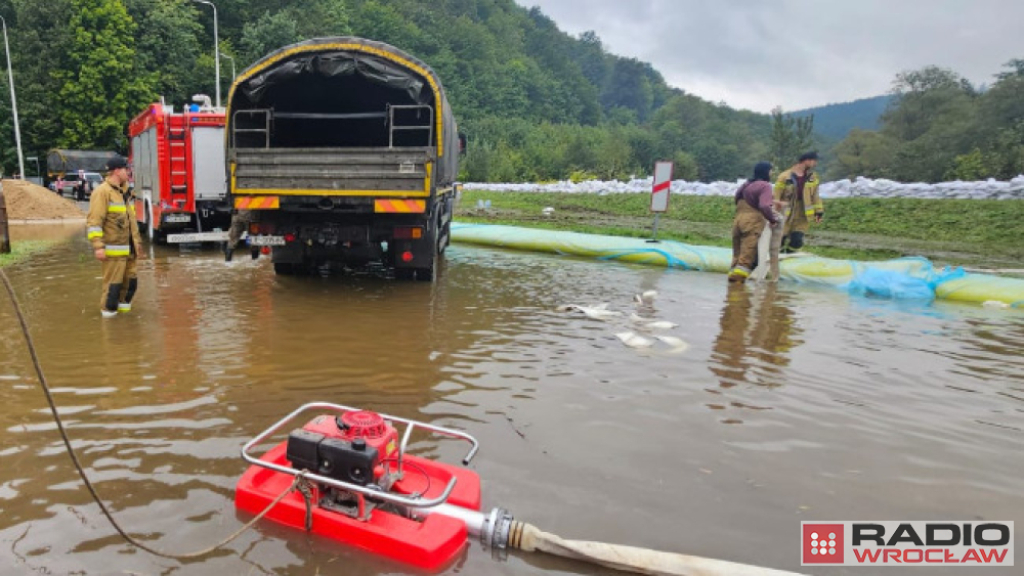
(790, 404)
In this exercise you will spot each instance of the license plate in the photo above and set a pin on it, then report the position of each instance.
(266, 241)
(197, 237)
(178, 218)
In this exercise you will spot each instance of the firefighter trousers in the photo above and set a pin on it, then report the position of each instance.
(119, 283)
(239, 225)
(746, 232)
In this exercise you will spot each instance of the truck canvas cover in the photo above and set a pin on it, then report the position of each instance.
(310, 83)
(60, 161)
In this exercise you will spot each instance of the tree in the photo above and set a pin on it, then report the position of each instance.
(549, 104)
(268, 33)
(593, 60)
(168, 49)
(1016, 69)
(100, 92)
(35, 57)
(919, 99)
(613, 156)
(321, 18)
(863, 153)
(790, 137)
(968, 167)
(628, 87)
(685, 167)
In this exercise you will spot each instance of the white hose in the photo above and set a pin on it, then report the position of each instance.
(768, 246)
(628, 558)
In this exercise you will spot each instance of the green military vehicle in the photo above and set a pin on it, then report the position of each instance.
(343, 150)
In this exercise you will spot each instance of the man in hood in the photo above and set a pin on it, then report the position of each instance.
(755, 208)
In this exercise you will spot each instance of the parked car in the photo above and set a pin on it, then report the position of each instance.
(80, 187)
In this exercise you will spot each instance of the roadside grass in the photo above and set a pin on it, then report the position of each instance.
(948, 231)
(23, 249)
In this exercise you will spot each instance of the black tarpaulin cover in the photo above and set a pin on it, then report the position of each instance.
(348, 75)
(60, 161)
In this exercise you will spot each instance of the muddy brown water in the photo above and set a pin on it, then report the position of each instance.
(791, 404)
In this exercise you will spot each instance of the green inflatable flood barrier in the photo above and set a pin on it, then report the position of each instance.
(947, 285)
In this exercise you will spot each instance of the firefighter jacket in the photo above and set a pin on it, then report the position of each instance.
(111, 222)
(802, 209)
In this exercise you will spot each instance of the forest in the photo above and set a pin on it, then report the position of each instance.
(535, 102)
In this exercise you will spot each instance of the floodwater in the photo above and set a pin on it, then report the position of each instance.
(790, 404)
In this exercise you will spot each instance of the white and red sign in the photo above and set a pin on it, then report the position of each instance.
(961, 543)
(662, 183)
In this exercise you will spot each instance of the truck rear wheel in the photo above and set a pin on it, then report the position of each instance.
(285, 269)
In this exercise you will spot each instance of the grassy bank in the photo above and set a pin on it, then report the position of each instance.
(960, 232)
(22, 249)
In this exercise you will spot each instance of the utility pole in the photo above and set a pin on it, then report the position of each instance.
(14, 103)
(216, 49)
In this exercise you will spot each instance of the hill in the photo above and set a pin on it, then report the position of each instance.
(535, 102)
(835, 121)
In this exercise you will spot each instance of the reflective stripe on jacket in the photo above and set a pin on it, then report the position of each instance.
(111, 221)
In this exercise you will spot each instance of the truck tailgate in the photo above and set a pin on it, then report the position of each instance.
(332, 171)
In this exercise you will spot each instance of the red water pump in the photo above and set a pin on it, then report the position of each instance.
(352, 447)
(362, 488)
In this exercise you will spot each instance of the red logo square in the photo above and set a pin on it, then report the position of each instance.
(822, 543)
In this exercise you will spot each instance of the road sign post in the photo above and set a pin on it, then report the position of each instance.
(660, 192)
(5, 238)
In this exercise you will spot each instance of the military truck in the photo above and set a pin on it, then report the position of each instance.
(77, 171)
(343, 150)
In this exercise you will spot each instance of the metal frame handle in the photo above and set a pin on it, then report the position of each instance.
(267, 112)
(428, 127)
(392, 498)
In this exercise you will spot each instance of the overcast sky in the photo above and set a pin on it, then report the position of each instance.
(798, 53)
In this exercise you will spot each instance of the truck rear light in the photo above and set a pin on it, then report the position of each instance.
(289, 237)
(261, 228)
(408, 232)
(407, 256)
(265, 250)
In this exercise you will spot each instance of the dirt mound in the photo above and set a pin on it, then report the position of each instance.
(26, 201)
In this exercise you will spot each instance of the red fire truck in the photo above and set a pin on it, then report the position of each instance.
(178, 170)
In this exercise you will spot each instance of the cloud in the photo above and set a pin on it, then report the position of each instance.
(798, 53)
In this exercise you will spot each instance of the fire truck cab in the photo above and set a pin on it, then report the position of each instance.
(178, 170)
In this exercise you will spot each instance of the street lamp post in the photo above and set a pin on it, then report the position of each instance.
(216, 49)
(232, 65)
(14, 103)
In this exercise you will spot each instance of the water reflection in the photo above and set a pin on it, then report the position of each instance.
(757, 336)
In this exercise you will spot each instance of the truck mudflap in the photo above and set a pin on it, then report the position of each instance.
(414, 257)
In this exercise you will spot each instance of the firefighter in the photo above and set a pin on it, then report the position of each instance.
(240, 220)
(115, 239)
(754, 208)
(798, 189)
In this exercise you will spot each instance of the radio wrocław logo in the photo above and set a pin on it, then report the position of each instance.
(971, 543)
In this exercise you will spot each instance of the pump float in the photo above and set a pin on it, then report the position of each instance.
(357, 484)
(365, 490)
